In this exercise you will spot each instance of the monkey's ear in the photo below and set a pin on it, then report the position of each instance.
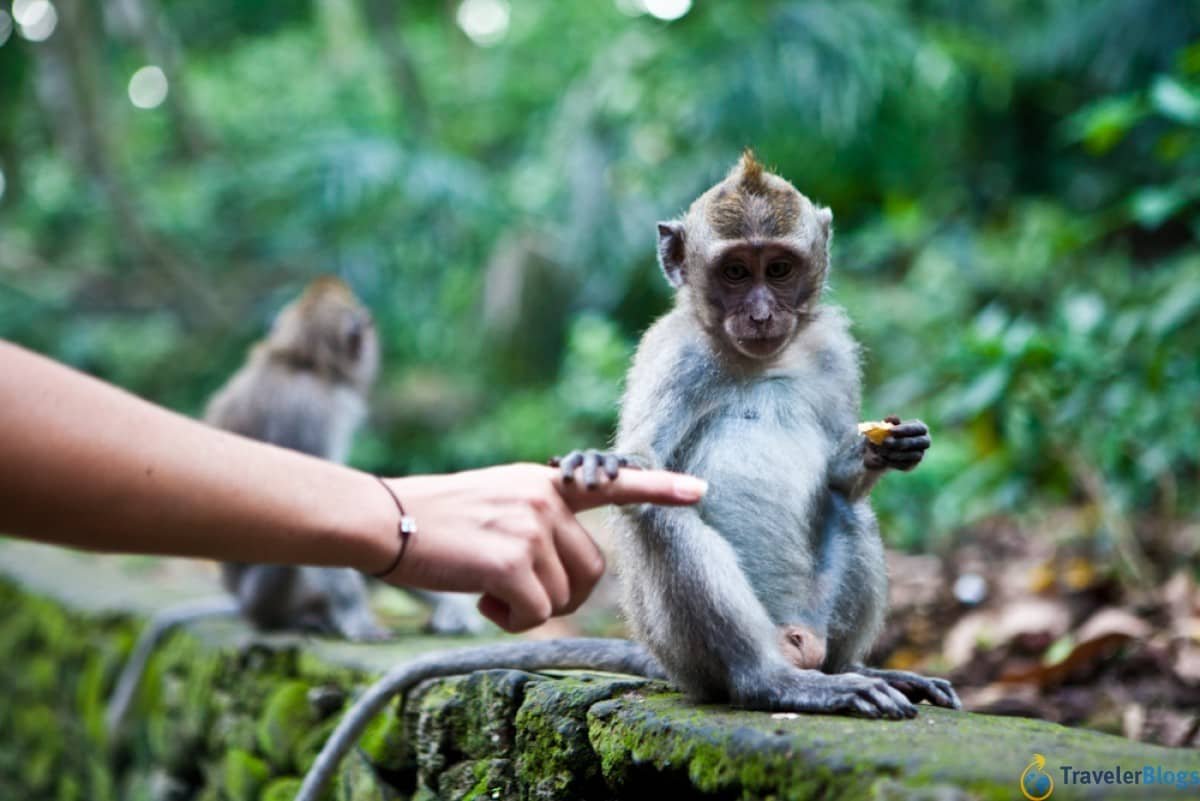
(825, 218)
(670, 251)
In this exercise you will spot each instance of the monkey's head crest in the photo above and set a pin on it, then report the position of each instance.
(752, 205)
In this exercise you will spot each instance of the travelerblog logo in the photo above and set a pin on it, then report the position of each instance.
(1037, 782)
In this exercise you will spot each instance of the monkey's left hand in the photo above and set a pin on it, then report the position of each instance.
(903, 448)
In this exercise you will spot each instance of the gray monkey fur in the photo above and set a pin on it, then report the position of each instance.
(784, 535)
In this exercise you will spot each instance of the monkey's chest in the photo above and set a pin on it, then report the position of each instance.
(767, 473)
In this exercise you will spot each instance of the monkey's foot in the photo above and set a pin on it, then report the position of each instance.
(802, 646)
(916, 687)
(838, 694)
(592, 462)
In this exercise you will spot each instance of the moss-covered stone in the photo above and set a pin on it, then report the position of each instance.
(283, 788)
(555, 758)
(357, 781)
(478, 779)
(285, 721)
(655, 741)
(230, 716)
(244, 776)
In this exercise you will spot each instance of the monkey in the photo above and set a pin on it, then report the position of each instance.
(768, 593)
(304, 387)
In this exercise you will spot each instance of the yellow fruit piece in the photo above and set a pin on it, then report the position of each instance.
(875, 430)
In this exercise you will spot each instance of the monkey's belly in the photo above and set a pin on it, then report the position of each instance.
(766, 487)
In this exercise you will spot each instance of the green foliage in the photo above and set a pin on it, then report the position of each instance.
(1015, 186)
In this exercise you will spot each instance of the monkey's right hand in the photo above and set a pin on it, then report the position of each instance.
(592, 462)
(816, 692)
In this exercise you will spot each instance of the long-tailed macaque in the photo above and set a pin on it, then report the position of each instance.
(768, 594)
(303, 387)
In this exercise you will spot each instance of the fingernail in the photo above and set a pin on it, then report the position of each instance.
(690, 488)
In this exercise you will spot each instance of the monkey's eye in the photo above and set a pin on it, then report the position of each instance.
(735, 271)
(779, 269)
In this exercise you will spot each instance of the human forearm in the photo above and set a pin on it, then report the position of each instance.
(88, 465)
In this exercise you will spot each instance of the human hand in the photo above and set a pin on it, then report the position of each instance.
(510, 532)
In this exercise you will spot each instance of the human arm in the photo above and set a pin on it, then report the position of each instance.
(88, 465)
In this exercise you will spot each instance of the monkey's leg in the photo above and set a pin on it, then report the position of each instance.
(336, 602)
(916, 687)
(162, 624)
(852, 578)
(700, 616)
(453, 612)
(265, 595)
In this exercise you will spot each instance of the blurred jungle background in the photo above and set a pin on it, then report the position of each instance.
(1016, 190)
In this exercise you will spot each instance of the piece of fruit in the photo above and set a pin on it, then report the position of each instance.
(875, 430)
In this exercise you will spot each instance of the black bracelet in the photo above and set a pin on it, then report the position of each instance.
(404, 530)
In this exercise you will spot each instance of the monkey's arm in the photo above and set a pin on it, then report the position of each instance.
(857, 463)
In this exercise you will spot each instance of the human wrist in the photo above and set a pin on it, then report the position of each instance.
(370, 534)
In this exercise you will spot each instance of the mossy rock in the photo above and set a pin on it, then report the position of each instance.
(555, 758)
(648, 741)
(285, 722)
(358, 781)
(228, 716)
(244, 776)
(478, 779)
(283, 788)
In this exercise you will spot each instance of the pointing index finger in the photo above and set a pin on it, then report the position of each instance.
(632, 486)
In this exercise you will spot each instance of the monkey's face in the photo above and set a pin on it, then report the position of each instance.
(330, 329)
(760, 294)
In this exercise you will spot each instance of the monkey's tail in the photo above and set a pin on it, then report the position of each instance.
(609, 655)
(160, 625)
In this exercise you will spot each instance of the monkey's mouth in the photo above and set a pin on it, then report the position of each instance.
(760, 347)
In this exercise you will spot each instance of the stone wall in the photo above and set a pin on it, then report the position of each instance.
(228, 716)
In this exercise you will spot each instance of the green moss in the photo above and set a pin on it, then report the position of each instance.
(357, 781)
(282, 789)
(284, 722)
(244, 776)
(384, 741)
(554, 756)
(479, 779)
(221, 721)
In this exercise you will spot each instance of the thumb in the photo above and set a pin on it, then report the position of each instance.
(633, 486)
